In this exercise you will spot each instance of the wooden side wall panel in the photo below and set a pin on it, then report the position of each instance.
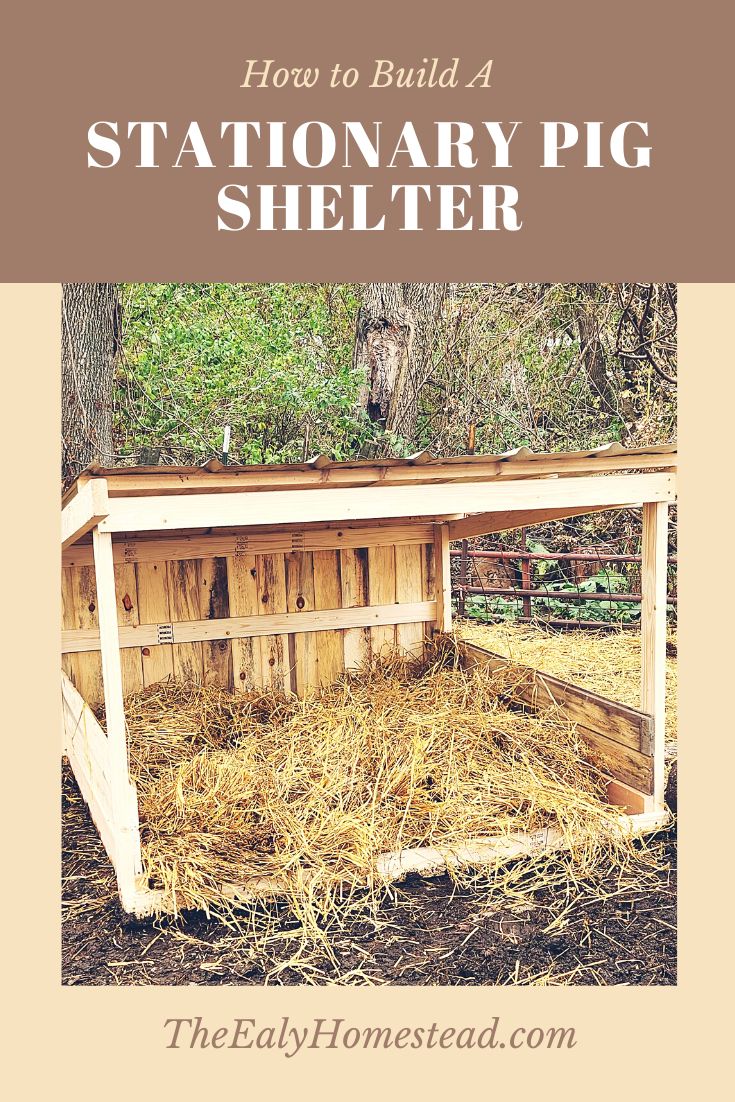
(242, 585)
(328, 594)
(88, 667)
(409, 588)
(214, 603)
(154, 608)
(69, 663)
(183, 588)
(299, 599)
(274, 657)
(354, 577)
(128, 615)
(382, 591)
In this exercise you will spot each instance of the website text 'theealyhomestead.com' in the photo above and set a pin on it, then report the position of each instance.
(289, 1038)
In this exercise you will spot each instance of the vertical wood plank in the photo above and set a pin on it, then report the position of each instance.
(125, 808)
(328, 594)
(382, 591)
(653, 634)
(126, 593)
(428, 561)
(88, 667)
(274, 656)
(354, 578)
(214, 604)
(300, 598)
(443, 578)
(409, 588)
(183, 588)
(68, 621)
(154, 608)
(242, 586)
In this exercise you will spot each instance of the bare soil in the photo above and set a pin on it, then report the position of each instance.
(615, 930)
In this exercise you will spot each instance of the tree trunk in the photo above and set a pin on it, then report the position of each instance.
(590, 343)
(90, 323)
(394, 343)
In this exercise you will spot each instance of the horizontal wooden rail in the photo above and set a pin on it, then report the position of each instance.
(244, 509)
(273, 541)
(88, 508)
(244, 627)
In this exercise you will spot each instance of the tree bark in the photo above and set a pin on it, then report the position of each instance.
(394, 342)
(590, 343)
(90, 323)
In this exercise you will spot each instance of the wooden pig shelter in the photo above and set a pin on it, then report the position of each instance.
(285, 576)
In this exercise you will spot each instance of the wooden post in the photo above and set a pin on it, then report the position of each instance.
(653, 634)
(125, 806)
(525, 575)
(443, 578)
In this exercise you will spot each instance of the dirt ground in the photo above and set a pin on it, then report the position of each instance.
(613, 931)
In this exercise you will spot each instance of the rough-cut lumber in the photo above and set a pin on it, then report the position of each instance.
(354, 577)
(131, 660)
(215, 605)
(183, 595)
(328, 595)
(442, 578)
(255, 542)
(154, 608)
(293, 506)
(483, 524)
(628, 726)
(382, 592)
(257, 626)
(274, 656)
(87, 670)
(460, 469)
(242, 585)
(409, 637)
(84, 511)
(300, 601)
(618, 737)
(653, 635)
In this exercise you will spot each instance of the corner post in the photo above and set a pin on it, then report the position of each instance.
(129, 866)
(653, 635)
(443, 577)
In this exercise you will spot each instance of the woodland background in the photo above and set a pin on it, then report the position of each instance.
(153, 373)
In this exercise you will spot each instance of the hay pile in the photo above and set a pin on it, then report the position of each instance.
(255, 791)
(607, 663)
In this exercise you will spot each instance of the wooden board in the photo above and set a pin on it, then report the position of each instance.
(192, 545)
(354, 577)
(214, 603)
(128, 615)
(183, 591)
(299, 602)
(372, 502)
(409, 590)
(154, 608)
(274, 657)
(328, 595)
(618, 737)
(242, 585)
(88, 667)
(382, 591)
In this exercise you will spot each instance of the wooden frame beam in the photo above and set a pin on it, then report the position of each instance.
(83, 512)
(256, 542)
(77, 641)
(443, 578)
(128, 862)
(653, 636)
(319, 505)
(483, 524)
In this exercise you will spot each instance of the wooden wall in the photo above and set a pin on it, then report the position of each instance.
(251, 580)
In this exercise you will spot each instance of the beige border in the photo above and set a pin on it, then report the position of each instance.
(658, 1042)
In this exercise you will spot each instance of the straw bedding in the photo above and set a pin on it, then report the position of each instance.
(303, 796)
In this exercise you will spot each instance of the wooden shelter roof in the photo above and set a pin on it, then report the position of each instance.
(420, 469)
